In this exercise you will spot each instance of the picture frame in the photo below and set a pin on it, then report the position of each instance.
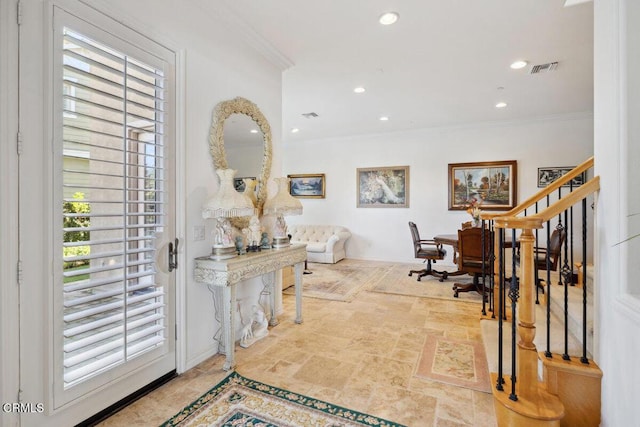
(238, 183)
(547, 175)
(488, 185)
(307, 186)
(383, 187)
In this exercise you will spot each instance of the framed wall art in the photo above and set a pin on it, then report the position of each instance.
(310, 186)
(548, 175)
(490, 185)
(383, 187)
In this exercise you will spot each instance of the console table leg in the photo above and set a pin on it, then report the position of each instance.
(229, 325)
(298, 275)
(273, 321)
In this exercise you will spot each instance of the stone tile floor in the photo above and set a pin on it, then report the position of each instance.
(361, 355)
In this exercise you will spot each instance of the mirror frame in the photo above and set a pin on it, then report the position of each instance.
(221, 112)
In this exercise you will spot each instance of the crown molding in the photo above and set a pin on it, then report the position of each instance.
(246, 33)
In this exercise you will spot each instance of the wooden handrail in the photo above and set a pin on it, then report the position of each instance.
(537, 220)
(564, 180)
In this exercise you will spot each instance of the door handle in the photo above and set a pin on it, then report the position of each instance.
(173, 256)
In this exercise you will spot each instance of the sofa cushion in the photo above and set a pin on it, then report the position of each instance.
(316, 247)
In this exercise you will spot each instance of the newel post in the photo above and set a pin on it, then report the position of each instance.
(527, 369)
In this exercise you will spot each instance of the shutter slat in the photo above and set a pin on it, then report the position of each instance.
(93, 283)
(90, 326)
(94, 338)
(72, 375)
(92, 311)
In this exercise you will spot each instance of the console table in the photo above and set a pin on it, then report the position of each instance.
(222, 276)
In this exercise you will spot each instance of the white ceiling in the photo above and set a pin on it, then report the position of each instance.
(441, 64)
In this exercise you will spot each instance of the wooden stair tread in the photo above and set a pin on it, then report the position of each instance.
(543, 406)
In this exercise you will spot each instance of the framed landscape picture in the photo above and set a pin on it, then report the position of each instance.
(310, 186)
(548, 175)
(492, 185)
(383, 187)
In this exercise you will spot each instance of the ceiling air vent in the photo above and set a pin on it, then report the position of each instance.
(311, 115)
(544, 68)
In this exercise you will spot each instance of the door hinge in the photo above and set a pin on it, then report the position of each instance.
(19, 273)
(176, 338)
(19, 395)
(19, 13)
(19, 143)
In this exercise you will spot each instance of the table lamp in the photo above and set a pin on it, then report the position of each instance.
(226, 203)
(280, 205)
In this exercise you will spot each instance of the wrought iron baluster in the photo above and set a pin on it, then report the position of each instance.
(547, 352)
(563, 281)
(501, 308)
(584, 359)
(513, 295)
(483, 269)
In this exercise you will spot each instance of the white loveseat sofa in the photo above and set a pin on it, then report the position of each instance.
(325, 243)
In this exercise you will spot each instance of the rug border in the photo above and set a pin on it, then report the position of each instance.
(291, 397)
(480, 364)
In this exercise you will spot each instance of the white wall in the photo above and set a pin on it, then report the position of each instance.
(617, 99)
(383, 234)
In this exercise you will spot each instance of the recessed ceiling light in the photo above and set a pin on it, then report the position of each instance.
(253, 131)
(384, 118)
(501, 104)
(389, 18)
(295, 130)
(518, 64)
(359, 89)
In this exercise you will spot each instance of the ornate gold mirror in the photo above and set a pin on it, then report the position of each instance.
(240, 138)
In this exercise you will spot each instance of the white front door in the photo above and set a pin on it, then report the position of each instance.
(97, 215)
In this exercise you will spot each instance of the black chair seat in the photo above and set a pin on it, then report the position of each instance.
(432, 253)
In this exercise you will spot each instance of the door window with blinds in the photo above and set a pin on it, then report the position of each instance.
(114, 207)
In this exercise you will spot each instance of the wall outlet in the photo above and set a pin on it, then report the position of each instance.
(198, 232)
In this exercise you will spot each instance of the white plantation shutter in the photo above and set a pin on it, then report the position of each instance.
(113, 207)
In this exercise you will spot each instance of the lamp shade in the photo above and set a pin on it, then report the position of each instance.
(227, 202)
(283, 203)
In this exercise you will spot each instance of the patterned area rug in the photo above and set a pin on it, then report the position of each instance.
(341, 281)
(239, 401)
(457, 362)
(396, 280)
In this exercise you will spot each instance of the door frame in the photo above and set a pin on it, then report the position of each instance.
(9, 219)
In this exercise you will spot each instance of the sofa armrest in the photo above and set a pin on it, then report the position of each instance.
(337, 240)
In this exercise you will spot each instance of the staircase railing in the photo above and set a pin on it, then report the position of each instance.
(563, 206)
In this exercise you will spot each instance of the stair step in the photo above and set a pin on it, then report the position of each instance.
(574, 311)
(489, 331)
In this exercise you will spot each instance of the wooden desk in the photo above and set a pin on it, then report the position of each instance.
(222, 276)
(450, 240)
